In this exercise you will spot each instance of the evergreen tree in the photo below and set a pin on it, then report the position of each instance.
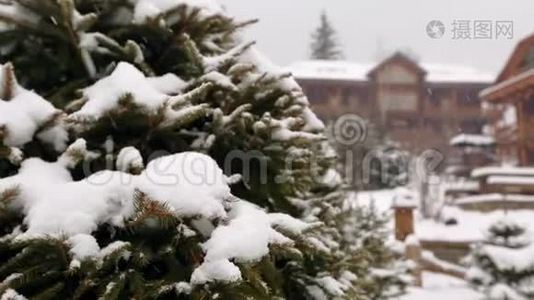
(502, 266)
(371, 161)
(324, 45)
(112, 185)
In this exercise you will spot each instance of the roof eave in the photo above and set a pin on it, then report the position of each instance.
(503, 91)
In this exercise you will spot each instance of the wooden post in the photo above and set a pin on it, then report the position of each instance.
(414, 253)
(403, 223)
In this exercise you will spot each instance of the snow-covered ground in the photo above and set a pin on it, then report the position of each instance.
(441, 287)
(455, 225)
(469, 226)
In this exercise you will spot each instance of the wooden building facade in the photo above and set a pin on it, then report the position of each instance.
(509, 104)
(421, 106)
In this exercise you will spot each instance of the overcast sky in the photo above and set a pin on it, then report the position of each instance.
(368, 29)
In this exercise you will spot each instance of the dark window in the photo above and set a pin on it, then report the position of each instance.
(436, 96)
(530, 156)
(529, 106)
(364, 97)
(468, 97)
(317, 94)
(403, 122)
(434, 125)
(346, 96)
(472, 126)
(529, 59)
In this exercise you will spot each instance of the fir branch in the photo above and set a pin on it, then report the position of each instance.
(51, 293)
(41, 28)
(147, 209)
(9, 195)
(114, 288)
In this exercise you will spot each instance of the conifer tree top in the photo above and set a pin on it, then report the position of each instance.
(324, 45)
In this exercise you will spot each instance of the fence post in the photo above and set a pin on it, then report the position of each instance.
(414, 253)
(404, 219)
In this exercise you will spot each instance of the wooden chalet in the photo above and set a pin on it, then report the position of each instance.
(419, 105)
(510, 105)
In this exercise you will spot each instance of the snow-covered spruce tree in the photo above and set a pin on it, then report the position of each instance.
(364, 231)
(502, 267)
(112, 185)
(324, 45)
(372, 161)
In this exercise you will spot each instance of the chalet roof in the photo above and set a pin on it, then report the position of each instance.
(352, 71)
(514, 64)
(509, 86)
(398, 57)
(455, 73)
(517, 74)
(331, 70)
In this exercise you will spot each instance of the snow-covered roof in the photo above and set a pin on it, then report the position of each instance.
(333, 70)
(504, 170)
(517, 180)
(455, 73)
(489, 198)
(472, 139)
(507, 83)
(466, 186)
(352, 71)
(402, 201)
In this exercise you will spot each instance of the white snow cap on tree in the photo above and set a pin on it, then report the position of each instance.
(105, 94)
(147, 9)
(23, 113)
(12, 295)
(190, 183)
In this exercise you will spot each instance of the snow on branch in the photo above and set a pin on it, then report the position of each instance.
(286, 129)
(188, 185)
(24, 113)
(147, 10)
(151, 94)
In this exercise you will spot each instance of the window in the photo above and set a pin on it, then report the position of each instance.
(472, 126)
(468, 97)
(529, 106)
(530, 156)
(317, 94)
(347, 96)
(402, 122)
(434, 125)
(436, 96)
(398, 100)
(529, 59)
